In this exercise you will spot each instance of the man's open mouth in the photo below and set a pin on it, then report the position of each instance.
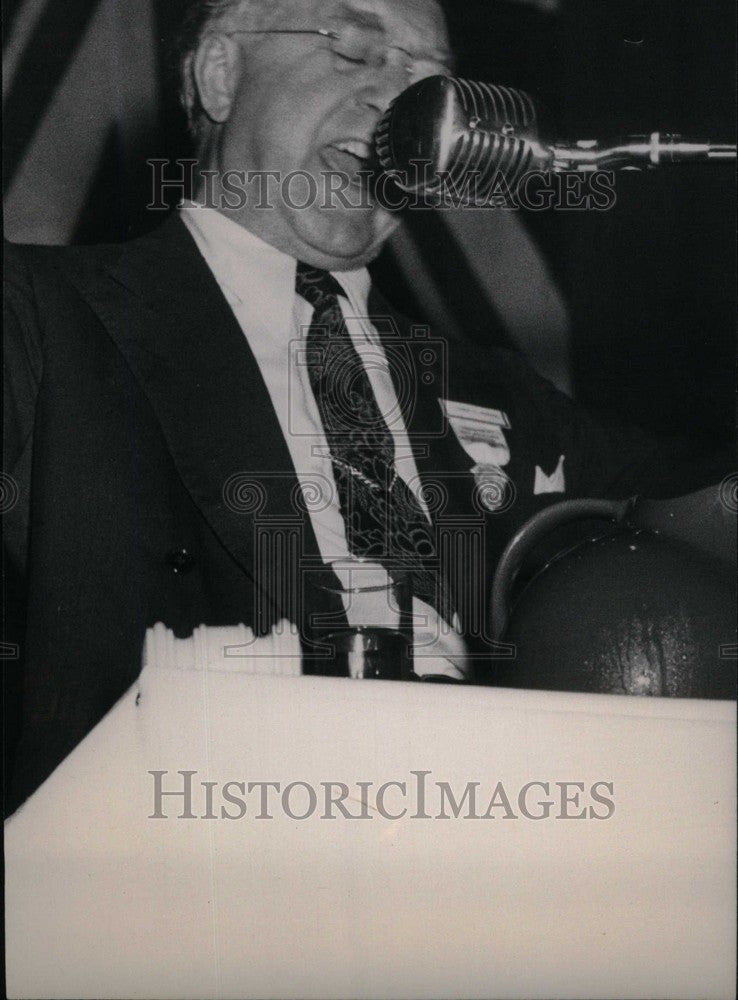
(348, 156)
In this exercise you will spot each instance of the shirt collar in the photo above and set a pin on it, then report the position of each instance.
(252, 270)
(241, 262)
(356, 284)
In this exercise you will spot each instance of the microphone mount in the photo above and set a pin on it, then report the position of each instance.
(637, 152)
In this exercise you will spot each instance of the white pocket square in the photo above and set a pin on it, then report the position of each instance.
(555, 483)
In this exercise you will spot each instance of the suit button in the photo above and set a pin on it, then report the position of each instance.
(180, 561)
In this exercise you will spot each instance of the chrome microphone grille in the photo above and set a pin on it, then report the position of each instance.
(460, 129)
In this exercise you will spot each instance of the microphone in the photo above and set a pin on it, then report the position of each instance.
(452, 129)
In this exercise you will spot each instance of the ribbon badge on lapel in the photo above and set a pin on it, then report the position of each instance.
(481, 433)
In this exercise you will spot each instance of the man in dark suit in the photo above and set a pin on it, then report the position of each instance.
(170, 430)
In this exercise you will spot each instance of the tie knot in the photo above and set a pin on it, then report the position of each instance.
(316, 286)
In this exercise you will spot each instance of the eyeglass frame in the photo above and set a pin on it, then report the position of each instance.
(323, 33)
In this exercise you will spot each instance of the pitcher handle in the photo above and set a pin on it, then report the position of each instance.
(536, 528)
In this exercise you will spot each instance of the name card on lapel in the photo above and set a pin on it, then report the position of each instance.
(480, 431)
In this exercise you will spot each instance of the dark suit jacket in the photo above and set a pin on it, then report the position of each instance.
(153, 482)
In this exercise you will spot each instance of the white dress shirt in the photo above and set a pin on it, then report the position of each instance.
(258, 281)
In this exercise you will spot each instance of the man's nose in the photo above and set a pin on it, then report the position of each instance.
(388, 82)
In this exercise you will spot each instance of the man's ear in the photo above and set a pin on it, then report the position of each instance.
(216, 69)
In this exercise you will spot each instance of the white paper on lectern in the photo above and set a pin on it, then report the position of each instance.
(102, 901)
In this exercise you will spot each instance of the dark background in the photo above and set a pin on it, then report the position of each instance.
(650, 285)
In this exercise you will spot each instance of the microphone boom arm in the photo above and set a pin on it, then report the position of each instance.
(636, 152)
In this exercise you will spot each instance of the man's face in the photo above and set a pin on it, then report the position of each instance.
(303, 103)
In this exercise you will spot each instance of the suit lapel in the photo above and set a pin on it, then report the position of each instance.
(462, 532)
(194, 363)
(443, 465)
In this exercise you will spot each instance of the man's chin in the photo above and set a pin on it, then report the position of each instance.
(344, 244)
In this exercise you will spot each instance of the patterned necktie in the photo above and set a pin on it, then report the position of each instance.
(383, 518)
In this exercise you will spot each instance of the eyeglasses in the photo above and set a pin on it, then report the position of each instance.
(357, 47)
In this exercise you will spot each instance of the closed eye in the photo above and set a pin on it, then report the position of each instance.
(352, 60)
